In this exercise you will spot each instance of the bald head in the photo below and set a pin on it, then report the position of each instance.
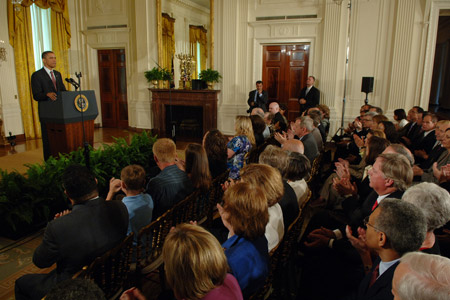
(274, 107)
(294, 146)
(258, 111)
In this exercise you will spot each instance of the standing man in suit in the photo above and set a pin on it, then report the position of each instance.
(258, 97)
(309, 95)
(75, 238)
(45, 84)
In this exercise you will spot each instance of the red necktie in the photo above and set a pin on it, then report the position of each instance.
(375, 274)
(53, 80)
(375, 205)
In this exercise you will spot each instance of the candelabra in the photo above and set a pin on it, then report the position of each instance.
(186, 65)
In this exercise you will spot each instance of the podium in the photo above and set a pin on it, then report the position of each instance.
(64, 122)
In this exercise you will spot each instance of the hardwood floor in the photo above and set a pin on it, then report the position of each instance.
(101, 135)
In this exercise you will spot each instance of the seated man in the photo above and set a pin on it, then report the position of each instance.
(425, 140)
(392, 230)
(171, 185)
(74, 239)
(421, 276)
(278, 121)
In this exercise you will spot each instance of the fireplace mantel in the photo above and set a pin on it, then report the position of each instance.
(161, 99)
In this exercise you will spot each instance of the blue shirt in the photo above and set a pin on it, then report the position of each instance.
(248, 261)
(240, 146)
(140, 210)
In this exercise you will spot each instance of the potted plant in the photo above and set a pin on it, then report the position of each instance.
(210, 76)
(153, 76)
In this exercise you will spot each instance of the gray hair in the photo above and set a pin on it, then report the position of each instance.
(428, 277)
(275, 157)
(403, 223)
(400, 149)
(434, 202)
(370, 114)
(397, 168)
(258, 111)
(306, 122)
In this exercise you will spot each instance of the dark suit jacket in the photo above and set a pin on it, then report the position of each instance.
(75, 240)
(311, 149)
(41, 84)
(261, 100)
(312, 98)
(432, 157)
(289, 205)
(422, 142)
(381, 289)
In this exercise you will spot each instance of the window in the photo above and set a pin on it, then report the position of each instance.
(41, 28)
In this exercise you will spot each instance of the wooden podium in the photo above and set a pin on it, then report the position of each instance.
(64, 120)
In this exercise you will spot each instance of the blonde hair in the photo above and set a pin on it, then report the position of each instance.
(195, 262)
(378, 133)
(165, 150)
(243, 126)
(267, 178)
(247, 210)
(398, 168)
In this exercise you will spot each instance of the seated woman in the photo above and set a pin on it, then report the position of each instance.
(240, 145)
(196, 167)
(196, 266)
(215, 145)
(269, 180)
(296, 172)
(245, 214)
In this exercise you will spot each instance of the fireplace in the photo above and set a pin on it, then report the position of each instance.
(190, 112)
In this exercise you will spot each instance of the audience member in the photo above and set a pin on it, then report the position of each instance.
(421, 276)
(434, 202)
(258, 126)
(196, 167)
(389, 130)
(279, 159)
(196, 267)
(139, 204)
(376, 109)
(437, 150)
(392, 230)
(245, 214)
(400, 118)
(259, 112)
(297, 171)
(215, 145)
(74, 238)
(278, 122)
(302, 128)
(240, 145)
(172, 184)
(294, 146)
(412, 129)
(269, 180)
(325, 117)
(425, 140)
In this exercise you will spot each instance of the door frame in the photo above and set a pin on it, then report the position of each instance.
(259, 43)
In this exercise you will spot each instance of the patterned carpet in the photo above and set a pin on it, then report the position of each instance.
(16, 260)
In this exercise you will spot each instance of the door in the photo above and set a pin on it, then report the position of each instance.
(285, 70)
(113, 87)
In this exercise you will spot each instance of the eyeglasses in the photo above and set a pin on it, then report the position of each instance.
(366, 222)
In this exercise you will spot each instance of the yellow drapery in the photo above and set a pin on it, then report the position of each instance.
(20, 38)
(168, 38)
(198, 34)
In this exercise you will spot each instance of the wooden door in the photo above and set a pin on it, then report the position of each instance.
(113, 87)
(285, 70)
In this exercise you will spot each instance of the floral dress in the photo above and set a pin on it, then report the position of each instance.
(241, 146)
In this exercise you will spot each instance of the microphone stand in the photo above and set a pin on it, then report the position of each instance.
(83, 104)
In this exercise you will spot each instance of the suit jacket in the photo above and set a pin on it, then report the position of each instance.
(41, 84)
(73, 241)
(312, 98)
(443, 160)
(261, 101)
(433, 156)
(381, 289)
(422, 142)
(311, 149)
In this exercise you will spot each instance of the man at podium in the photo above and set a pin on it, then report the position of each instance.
(45, 83)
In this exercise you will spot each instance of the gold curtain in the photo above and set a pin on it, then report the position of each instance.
(198, 34)
(168, 41)
(20, 38)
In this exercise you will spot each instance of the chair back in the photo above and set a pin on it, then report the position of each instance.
(110, 271)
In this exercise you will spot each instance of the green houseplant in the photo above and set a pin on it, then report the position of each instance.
(29, 201)
(166, 78)
(153, 76)
(210, 76)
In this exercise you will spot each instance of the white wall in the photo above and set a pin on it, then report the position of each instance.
(391, 40)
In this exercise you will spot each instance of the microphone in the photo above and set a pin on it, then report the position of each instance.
(72, 82)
